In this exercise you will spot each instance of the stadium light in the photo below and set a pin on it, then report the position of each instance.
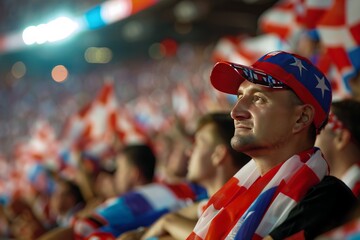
(55, 30)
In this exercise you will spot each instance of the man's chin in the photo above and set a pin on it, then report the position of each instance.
(241, 143)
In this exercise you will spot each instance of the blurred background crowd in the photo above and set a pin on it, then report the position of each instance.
(127, 73)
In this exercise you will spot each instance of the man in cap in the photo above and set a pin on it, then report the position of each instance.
(283, 101)
(340, 142)
(212, 163)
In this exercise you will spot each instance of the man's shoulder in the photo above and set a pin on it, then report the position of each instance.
(325, 206)
(333, 183)
(331, 188)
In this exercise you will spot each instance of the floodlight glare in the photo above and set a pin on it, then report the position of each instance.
(52, 31)
(29, 35)
(41, 36)
(61, 28)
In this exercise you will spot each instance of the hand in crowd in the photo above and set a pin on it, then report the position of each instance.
(26, 227)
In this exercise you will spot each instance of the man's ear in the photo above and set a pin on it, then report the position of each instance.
(304, 118)
(219, 154)
(342, 138)
(135, 175)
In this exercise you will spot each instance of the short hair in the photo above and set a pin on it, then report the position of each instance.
(348, 112)
(73, 189)
(142, 157)
(223, 131)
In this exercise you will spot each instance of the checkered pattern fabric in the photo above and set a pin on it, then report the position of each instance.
(339, 30)
(249, 206)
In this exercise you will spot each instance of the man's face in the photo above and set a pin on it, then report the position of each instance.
(178, 159)
(200, 165)
(325, 142)
(124, 175)
(62, 200)
(263, 119)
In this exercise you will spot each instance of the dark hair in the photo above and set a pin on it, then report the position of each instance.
(348, 112)
(224, 131)
(74, 190)
(142, 157)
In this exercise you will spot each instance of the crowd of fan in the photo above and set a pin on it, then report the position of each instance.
(150, 179)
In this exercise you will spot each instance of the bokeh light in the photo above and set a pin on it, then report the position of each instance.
(170, 47)
(18, 70)
(99, 55)
(59, 73)
(157, 51)
(133, 30)
(186, 11)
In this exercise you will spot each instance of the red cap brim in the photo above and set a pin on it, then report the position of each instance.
(226, 78)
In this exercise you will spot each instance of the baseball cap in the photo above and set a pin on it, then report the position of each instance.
(280, 70)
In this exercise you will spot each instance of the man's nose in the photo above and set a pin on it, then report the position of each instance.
(240, 109)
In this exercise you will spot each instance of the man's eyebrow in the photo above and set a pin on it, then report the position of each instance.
(256, 89)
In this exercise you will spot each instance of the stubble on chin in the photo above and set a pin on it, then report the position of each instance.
(242, 143)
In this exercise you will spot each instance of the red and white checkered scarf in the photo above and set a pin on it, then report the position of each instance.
(249, 205)
(352, 179)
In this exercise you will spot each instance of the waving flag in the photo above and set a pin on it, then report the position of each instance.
(246, 50)
(312, 11)
(140, 207)
(282, 19)
(43, 144)
(92, 121)
(327, 66)
(126, 127)
(96, 127)
(91, 136)
(149, 113)
(33, 160)
(339, 30)
(289, 18)
(183, 102)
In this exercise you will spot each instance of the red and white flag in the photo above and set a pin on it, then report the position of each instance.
(183, 102)
(339, 31)
(246, 50)
(289, 18)
(283, 19)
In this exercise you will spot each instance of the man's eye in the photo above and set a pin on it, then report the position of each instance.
(258, 99)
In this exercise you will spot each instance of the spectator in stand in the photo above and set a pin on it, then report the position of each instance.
(24, 224)
(65, 202)
(339, 142)
(348, 231)
(212, 163)
(171, 147)
(135, 167)
(283, 101)
(139, 207)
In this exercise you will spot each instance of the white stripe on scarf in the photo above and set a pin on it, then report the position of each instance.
(352, 176)
(281, 205)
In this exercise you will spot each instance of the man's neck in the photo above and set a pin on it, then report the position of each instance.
(266, 161)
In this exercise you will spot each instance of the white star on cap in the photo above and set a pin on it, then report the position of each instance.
(298, 64)
(321, 85)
